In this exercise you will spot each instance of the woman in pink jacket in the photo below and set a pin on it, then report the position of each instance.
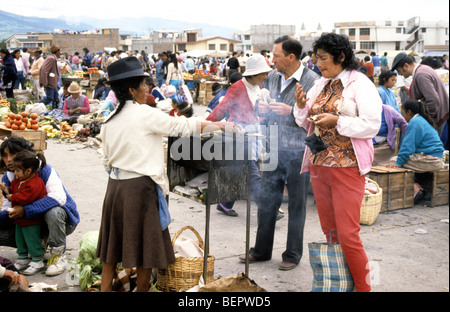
(344, 109)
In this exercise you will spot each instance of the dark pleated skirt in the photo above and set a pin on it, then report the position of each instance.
(130, 230)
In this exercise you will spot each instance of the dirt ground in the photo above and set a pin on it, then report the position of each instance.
(408, 249)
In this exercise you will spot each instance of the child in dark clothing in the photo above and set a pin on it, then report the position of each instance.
(26, 188)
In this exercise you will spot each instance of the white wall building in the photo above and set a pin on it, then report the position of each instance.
(388, 35)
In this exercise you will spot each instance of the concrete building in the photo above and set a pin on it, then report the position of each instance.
(387, 35)
(70, 42)
(263, 36)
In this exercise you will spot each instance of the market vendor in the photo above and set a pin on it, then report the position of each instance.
(130, 230)
(421, 150)
(240, 102)
(76, 104)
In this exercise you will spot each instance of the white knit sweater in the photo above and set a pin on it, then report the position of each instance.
(133, 140)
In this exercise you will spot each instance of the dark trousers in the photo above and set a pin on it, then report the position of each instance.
(51, 96)
(270, 199)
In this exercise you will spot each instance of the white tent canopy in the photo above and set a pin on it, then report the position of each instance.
(213, 53)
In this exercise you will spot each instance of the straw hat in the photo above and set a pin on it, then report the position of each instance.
(74, 88)
(256, 64)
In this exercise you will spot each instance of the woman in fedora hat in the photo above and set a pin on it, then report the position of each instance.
(131, 231)
(76, 104)
(240, 102)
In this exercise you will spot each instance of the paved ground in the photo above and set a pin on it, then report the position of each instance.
(402, 259)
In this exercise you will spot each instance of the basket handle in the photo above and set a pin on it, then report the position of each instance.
(99, 113)
(188, 227)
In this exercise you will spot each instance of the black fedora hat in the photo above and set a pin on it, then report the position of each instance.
(397, 59)
(125, 68)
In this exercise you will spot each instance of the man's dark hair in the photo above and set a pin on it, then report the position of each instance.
(407, 60)
(290, 45)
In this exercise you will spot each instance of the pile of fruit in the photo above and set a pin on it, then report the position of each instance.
(22, 122)
(63, 131)
(92, 70)
(3, 101)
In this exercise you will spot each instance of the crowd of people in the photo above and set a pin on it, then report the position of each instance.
(333, 124)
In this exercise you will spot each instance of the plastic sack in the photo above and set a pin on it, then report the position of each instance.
(38, 108)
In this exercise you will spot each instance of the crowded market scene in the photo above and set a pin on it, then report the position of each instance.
(213, 171)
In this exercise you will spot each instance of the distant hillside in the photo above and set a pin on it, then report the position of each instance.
(17, 24)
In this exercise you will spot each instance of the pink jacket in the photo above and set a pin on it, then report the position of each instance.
(362, 128)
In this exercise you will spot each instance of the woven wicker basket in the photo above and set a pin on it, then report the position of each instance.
(100, 116)
(371, 205)
(185, 273)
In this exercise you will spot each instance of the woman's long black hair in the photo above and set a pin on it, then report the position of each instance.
(418, 107)
(122, 92)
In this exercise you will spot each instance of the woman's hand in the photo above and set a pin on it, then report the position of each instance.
(326, 120)
(16, 212)
(300, 96)
(391, 166)
(12, 277)
(263, 107)
(224, 126)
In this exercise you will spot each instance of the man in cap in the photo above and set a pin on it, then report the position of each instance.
(49, 77)
(289, 148)
(38, 91)
(426, 86)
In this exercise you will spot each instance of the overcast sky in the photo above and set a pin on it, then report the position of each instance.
(242, 13)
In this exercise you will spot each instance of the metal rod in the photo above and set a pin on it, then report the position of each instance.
(205, 256)
(247, 230)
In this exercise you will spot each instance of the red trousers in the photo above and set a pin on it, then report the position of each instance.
(339, 193)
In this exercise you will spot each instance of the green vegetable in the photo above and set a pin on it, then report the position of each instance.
(90, 265)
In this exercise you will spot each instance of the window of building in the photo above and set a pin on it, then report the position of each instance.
(401, 23)
(353, 45)
(424, 30)
(181, 46)
(211, 46)
(223, 47)
(398, 30)
(247, 37)
(388, 23)
(367, 45)
(351, 31)
(364, 31)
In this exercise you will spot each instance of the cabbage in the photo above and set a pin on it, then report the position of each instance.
(90, 266)
(4, 110)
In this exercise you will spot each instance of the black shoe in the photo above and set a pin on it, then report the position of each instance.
(280, 216)
(230, 213)
(420, 194)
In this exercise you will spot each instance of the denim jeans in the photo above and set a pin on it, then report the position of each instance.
(270, 200)
(51, 96)
(21, 80)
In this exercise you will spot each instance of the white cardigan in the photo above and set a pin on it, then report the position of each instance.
(133, 141)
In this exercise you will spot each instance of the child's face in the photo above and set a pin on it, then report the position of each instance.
(22, 174)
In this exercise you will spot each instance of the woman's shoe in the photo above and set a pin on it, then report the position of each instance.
(420, 194)
(230, 213)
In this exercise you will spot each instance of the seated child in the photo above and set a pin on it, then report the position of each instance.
(26, 188)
